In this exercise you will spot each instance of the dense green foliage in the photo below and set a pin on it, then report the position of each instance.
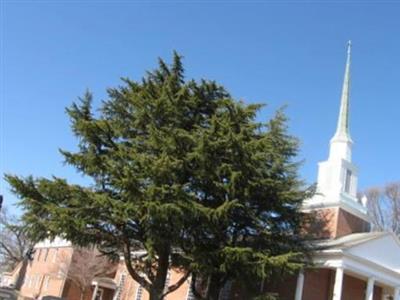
(182, 171)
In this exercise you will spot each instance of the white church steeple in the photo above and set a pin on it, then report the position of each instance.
(341, 142)
(342, 130)
(337, 176)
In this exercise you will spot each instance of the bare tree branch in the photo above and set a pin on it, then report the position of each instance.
(13, 242)
(177, 285)
(384, 207)
(82, 266)
(132, 271)
(392, 194)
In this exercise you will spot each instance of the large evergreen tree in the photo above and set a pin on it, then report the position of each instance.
(182, 171)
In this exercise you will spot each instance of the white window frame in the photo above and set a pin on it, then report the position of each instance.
(46, 282)
(46, 254)
(101, 292)
(39, 254)
(167, 281)
(189, 294)
(139, 292)
(122, 279)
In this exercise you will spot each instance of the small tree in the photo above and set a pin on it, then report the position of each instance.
(82, 267)
(14, 243)
(182, 171)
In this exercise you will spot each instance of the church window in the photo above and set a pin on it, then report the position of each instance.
(167, 280)
(139, 293)
(46, 254)
(46, 282)
(99, 294)
(347, 183)
(38, 254)
(190, 294)
(118, 294)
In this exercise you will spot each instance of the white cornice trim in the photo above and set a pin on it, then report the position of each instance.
(339, 258)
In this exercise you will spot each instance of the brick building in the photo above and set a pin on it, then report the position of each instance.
(352, 263)
(45, 276)
(45, 272)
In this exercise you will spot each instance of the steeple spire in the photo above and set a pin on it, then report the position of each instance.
(342, 130)
(341, 142)
(338, 176)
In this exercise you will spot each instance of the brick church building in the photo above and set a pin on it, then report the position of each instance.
(351, 262)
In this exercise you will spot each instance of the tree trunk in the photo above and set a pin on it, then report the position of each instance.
(214, 287)
(158, 286)
(156, 294)
(21, 274)
(213, 292)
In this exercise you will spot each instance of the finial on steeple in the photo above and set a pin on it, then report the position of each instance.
(342, 130)
(348, 47)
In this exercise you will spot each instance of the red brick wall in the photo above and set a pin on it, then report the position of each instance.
(377, 293)
(108, 294)
(348, 223)
(323, 224)
(318, 284)
(41, 276)
(72, 292)
(353, 288)
(335, 222)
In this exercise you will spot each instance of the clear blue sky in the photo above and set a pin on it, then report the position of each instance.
(276, 53)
